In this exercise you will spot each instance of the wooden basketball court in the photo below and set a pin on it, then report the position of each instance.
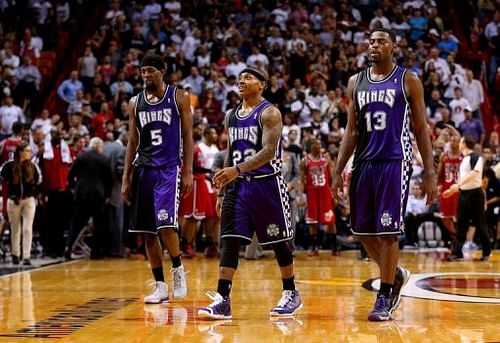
(101, 301)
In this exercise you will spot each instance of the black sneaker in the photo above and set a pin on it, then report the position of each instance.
(455, 258)
(401, 279)
(27, 262)
(485, 258)
(15, 259)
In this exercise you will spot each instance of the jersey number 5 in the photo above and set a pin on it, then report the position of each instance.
(156, 137)
(378, 122)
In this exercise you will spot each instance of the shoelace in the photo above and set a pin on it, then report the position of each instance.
(177, 277)
(285, 299)
(153, 284)
(215, 297)
(381, 303)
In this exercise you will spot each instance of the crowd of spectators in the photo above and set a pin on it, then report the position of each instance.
(310, 48)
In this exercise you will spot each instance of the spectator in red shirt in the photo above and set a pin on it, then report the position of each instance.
(59, 202)
(100, 119)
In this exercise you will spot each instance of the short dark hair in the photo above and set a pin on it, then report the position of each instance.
(391, 33)
(469, 142)
(17, 128)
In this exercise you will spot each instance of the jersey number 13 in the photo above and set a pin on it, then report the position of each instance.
(376, 120)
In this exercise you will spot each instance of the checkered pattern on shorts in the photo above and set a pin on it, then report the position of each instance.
(285, 203)
(405, 182)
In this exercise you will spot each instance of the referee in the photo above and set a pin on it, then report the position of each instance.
(471, 208)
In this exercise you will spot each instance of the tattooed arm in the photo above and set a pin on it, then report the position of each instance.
(271, 135)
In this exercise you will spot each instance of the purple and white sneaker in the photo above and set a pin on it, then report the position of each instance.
(288, 305)
(382, 309)
(220, 308)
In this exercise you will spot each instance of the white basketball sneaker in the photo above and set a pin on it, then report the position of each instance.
(179, 280)
(159, 294)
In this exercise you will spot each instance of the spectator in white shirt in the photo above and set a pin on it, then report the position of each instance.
(292, 43)
(379, 17)
(275, 38)
(440, 64)
(113, 12)
(152, 10)
(456, 80)
(301, 108)
(9, 114)
(42, 10)
(174, 9)
(235, 67)
(10, 60)
(257, 59)
(457, 106)
(281, 15)
(190, 44)
(43, 122)
(473, 92)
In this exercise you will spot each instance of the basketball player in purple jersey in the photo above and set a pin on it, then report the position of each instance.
(158, 168)
(254, 197)
(382, 98)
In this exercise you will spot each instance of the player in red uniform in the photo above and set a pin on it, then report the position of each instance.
(316, 170)
(195, 206)
(448, 170)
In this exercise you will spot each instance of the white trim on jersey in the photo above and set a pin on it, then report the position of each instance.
(173, 227)
(273, 242)
(156, 103)
(405, 140)
(181, 145)
(138, 131)
(405, 178)
(406, 146)
(400, 231)
(177, 196)
(368, 72)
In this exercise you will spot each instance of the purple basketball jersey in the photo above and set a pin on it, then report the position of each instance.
(382, 118)
(245, 140)
(159, 128)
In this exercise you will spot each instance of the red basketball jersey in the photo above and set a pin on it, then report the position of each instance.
(450, 171)
(9, 148)
(198, 204)
(317, 173)
(319, 194)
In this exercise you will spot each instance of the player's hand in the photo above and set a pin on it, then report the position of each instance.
(218, 205)
(126, 191)
(450, 191)
(429, 187)
(337, 188)
(224, 176)
(186, 182)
